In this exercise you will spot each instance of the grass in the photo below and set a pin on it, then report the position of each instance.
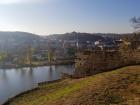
(118, 87)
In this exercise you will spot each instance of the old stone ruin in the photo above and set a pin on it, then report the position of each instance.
(97, 61)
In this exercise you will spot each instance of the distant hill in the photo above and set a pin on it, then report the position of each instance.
(85, 36)
(78, 36)
(25, 37)
(13, 40)
(18, 36)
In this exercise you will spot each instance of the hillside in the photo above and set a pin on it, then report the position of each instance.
(11, 41)
(82, 37)
(18, 36)
(118, 87)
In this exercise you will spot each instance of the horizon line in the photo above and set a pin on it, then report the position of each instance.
(69, 32)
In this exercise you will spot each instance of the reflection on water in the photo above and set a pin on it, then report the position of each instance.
(15, 81)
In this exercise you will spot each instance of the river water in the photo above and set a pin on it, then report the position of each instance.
(16, 81)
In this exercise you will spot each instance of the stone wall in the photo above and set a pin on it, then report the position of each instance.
(93, 62)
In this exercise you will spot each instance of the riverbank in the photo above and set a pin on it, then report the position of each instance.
(36, 64)
(32, 90)
(121, 86)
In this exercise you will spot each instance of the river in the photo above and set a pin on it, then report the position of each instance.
(16, 81)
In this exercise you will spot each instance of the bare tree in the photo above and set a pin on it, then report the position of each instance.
(29, 54)
(136, 23)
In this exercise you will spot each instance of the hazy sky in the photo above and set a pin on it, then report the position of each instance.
(59, 16)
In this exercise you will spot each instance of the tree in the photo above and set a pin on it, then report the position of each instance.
(136, 23)
(30, 51)
(71, 51)
(50, 52)
(50, 56)
(136, 36)
(3, 57)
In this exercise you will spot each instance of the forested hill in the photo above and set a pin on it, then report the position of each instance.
(18, 36)
(25, 36)
(85, 36)
(13, 40)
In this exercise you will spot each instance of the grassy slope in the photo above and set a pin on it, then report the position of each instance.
(119, 87)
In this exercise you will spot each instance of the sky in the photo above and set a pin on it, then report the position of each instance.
(46, 17)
